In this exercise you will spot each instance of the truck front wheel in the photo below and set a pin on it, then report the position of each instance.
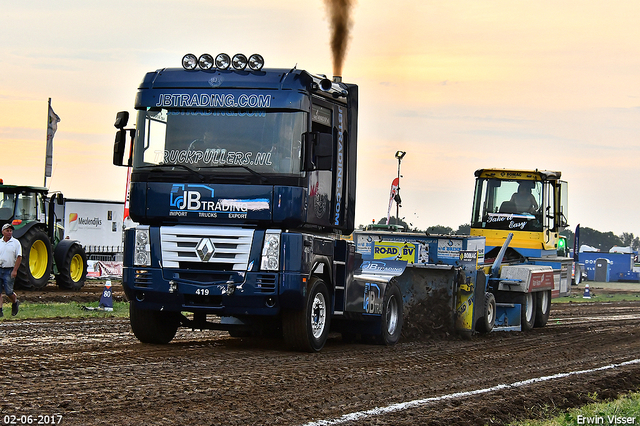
(153, 326)
(528, 312)
(307, 330)
(37, 260)
(392, 316)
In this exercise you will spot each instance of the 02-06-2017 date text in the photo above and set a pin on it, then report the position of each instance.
(29, 419)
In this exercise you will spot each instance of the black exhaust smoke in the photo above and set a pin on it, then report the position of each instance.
(340, 19)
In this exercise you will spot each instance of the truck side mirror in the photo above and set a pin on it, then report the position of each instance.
(122, 118)
(318, 151)
(60, 199)
(118, 147)
(324, 151)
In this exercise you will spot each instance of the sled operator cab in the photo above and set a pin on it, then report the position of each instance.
(531, 204)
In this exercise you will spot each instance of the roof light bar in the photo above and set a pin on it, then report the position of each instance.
(239, 61)
(222, 61)
(256, 62)
(189, 61)
(205, 61)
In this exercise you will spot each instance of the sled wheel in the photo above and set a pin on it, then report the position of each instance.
(153, 326)
(528, 312)
(392, 316)
(307, 329)
(73, 270)
(488, 320)
(543, 307)
(35, 268)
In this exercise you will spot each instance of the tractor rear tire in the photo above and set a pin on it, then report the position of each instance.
(528, 312)
(307, 329)
(487, 321)
(392, 316)
(156, 327)
(543, 307)
(73, 269)
(37, 260)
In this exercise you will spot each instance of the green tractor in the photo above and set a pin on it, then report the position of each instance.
(44, 249)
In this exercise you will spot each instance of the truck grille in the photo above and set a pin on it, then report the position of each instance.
(211, 247)
(266, 283)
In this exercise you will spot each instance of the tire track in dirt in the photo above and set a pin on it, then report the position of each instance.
(96, 372)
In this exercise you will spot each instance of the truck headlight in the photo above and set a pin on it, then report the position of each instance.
(142, 251)
(271, 251)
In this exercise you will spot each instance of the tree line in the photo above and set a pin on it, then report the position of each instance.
(603, 241)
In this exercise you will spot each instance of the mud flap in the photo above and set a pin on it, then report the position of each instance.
(507, 317)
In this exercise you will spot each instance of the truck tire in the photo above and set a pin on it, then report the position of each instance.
(37, 260)
(72, 269)
(153, 326)
(528, 312)
(392, 316)
(543, 307)
(487, 321)
(307, 329)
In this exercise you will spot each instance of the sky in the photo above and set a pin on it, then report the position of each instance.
(459, 85)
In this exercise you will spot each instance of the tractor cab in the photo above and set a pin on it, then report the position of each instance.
(21, 204)
(44, 251)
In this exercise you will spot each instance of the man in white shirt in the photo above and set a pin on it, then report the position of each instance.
(10, 258)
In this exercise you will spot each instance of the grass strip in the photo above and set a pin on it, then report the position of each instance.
(64, 310)
(624, 410)
(599, 297)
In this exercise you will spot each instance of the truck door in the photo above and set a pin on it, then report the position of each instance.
(549, 208)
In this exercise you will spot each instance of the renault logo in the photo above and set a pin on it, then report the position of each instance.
(205, 249)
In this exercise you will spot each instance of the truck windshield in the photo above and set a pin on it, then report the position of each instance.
(508, 205)
(264, 141)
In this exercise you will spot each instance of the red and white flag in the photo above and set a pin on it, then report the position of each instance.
(394, 191)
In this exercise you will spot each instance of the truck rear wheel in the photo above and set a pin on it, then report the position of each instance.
(307, 330)
(392, 316)
(487, 321)
(37, 260)
(528, 312)
(543, 307)
(73, 269)
(153, 326)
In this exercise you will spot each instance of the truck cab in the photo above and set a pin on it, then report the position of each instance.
(242, 180)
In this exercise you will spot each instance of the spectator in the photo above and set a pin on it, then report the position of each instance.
(10, 258)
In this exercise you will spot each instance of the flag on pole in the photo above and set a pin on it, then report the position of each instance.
(51, 131)
(392, 195)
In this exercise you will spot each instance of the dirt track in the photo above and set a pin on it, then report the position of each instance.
(95, 372)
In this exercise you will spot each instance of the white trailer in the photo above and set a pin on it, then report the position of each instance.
(96, 224)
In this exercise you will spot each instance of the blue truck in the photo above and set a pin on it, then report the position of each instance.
(242, 182)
